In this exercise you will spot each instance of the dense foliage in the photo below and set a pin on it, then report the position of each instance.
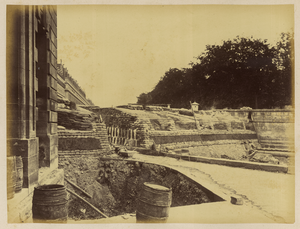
(240, 72)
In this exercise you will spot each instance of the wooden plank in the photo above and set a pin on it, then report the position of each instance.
(92, 206)
(88, 195)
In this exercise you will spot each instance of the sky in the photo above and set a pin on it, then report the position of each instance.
(118, 52)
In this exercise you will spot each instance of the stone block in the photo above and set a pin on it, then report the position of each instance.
(12, 110)
(51, 69)
(237, 200)
(54, 27)
(53, 37)
(30, 165)
(22, 147)
(52, 82)
(52, 94)
(13, 129)
(52, 128)
(52, 59)
(36, 113)
(52, 48)
(43, 116)
(31, 180)
(36, 84)
(51, 105)
(48, 142)
(41, 128)
(12, 85)
(52, 116)
(22, 94)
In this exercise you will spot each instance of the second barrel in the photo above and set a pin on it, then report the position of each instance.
(154, 203)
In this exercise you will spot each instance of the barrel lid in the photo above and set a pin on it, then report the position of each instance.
(156, 186)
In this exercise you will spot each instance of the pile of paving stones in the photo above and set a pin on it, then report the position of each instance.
(74, 120)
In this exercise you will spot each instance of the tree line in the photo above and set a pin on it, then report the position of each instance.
(243, 72)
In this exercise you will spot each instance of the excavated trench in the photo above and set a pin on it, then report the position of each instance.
(114, 186)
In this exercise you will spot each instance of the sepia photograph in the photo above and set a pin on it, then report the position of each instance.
(139, 114)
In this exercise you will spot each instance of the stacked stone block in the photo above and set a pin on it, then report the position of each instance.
(101, 133)
(87, 143)
(74, 120)
(143, 138)
(186, 139)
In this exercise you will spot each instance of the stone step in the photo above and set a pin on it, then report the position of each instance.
(277, 153)
(276, 146)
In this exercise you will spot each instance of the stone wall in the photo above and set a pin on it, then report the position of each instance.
(176, 137)
(73, 143)
(275, 123)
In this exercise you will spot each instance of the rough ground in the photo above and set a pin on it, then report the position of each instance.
(271, 193)
(114, 186)
(267, 196)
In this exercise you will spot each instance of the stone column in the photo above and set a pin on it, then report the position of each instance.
(47, 94)
(21, 90)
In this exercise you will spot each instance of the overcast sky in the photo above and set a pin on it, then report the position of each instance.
(118, 52)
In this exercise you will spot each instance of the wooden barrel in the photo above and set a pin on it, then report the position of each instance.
(153, 204)
(19, 174)
(50, 204)
(11, 177)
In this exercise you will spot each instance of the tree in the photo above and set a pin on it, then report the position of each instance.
(144, 99)
(170, 88)
(284, 82)
(238, 73)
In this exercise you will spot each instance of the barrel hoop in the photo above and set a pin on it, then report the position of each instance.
(45, 195)
(154, 203)
(157, 190)
(151, 217)
(52, 203)
(39, 220)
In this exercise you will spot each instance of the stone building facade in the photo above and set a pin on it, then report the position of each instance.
(68, 88)
(32, 85)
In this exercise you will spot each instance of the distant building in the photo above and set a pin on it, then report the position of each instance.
(68, 88)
